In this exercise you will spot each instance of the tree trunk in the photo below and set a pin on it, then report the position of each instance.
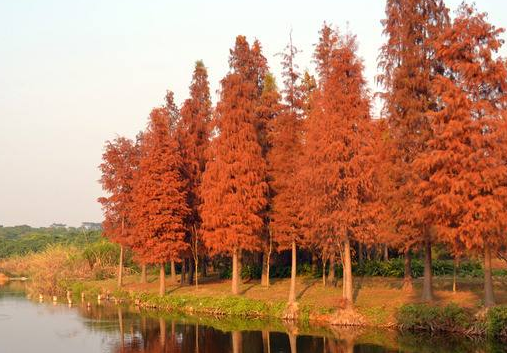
(235, 274)
(173, 333)
(489, 296)
(332, 264)
(455, 264)
(237, 344)
(265, 342)
(120, 265)
(264, 266)
(190, 279)
(122, 328)
(314, 262)
(360, 256)
(240, 265)
(120, 268)
(292, 292)
(197, 335)
(143, 273)
(293, 343)
(407, 277)
(386, 252)
(324, 260)
(196, 272)
(163, 329)
(161, 291)
(183, 271)
(173, 272)
(347, 272)
(427, 292)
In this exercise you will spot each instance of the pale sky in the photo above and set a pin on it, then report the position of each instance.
(74, 74)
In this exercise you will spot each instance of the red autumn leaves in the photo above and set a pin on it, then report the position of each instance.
(306, 166)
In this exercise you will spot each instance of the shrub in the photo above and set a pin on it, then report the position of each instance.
(255, 271)
(432, 318)
(50, 271)
(372, 268)
(496, 321)
(470, 269)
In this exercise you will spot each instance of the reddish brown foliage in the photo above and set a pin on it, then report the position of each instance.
(338, 151)
(407, 59)
(285, 157)
(337, 145)
(120, 161)
(159, 196)
(234, 187)
(464, 169)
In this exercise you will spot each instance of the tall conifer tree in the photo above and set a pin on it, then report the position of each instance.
(159, 195)
(284, 159)
(118, 168)
(194, 135)
(268, 111)
(465, 165)
(409, 67)
(338, 153)
(234, 183)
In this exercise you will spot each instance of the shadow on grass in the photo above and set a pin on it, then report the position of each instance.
(250, 286)
(308, 286)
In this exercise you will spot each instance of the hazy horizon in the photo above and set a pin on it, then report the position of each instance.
(75, 75)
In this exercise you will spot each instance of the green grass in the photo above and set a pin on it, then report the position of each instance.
(226, 305)
(376, 315)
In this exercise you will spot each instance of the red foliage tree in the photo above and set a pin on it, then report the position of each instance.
(120, 160)
(465, 166)
(234, 183)
(267, 111)
(284, 158)
(194, 136)
(338, 151)
(160, 200)
(409, 65)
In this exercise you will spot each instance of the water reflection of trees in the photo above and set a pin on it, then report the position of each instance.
(150, 332)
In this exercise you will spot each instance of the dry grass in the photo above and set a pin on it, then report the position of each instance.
(377, 299)
(50, 269)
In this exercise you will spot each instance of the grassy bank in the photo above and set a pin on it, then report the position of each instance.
(380, 302)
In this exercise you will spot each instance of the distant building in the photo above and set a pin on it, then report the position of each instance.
(91, 226)
(58, 226)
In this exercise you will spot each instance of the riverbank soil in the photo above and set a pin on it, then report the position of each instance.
(377, 299)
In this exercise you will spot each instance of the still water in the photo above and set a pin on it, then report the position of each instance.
(28, 326)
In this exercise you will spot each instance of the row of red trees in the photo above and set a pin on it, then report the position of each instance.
(307, 166)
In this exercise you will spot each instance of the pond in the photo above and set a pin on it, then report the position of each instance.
(28, 326)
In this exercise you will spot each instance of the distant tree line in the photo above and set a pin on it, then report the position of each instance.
(21, 240)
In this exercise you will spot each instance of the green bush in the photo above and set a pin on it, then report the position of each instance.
(255, 271)
(496, 321)
(396, 268)
(442, 268)
(371, 268)
(391, 268)
(102, 252)
(432, 318)
(470, 269)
